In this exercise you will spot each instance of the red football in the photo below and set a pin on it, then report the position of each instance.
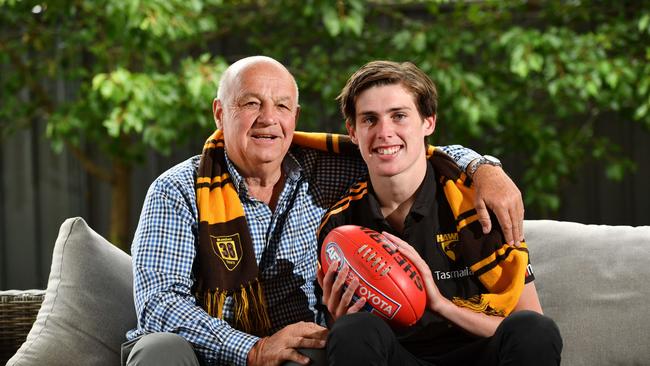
(390, 283)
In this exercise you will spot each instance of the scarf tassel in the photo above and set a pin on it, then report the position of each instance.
(249, 307)
(477, 303)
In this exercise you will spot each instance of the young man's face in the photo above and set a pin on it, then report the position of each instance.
(390, 131)
(259, 120)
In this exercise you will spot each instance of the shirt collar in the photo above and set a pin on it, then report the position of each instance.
(425, 196)
(290, 166)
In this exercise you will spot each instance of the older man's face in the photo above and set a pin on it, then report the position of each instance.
(259, 119)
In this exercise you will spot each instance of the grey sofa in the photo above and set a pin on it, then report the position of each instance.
(593, 280)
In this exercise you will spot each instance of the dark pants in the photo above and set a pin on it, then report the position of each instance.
(523, 338)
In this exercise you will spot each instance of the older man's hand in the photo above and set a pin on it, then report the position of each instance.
(281, 346)
(496, 191)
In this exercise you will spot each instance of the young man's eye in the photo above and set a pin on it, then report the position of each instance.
(400, 116)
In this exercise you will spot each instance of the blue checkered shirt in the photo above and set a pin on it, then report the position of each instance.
(284, 241)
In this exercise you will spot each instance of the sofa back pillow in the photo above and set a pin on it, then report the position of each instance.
(88, 305)
(593, 281)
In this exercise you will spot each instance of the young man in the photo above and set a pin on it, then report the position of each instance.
(482, 306)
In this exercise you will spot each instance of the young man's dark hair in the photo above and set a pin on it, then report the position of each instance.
(377, 73)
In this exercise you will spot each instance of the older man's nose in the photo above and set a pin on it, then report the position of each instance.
(267, 114)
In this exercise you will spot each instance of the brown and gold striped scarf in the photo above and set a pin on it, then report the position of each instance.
(501, 268)
(226, 264)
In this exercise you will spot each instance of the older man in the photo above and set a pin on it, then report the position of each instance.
(224, 257)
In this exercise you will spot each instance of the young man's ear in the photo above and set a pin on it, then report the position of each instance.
(429, 125)
(351, 131)
(217, 112)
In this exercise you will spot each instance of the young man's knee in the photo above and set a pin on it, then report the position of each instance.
(532, 330)
(530, 322)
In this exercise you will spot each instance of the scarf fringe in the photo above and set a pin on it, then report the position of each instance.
(249, 307)
(478, 304)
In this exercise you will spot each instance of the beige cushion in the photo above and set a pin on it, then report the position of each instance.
(88, 305)
(593, 280)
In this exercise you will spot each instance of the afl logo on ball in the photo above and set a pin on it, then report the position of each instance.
(334, 254)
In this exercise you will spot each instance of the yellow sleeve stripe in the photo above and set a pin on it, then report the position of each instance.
(464, 222)
(354, 191)
(345, 203)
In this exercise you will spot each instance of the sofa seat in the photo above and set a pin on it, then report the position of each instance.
(591, 279)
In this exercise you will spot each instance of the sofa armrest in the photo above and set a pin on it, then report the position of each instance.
(18, 309)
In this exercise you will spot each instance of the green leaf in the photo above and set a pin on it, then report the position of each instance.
(612, 79)
(591, 88)
(401, 39)
(331, 21)
(112, 124)
(98, 80)
(642, 111)
(419, 42)
(106, 89)
(535, 61)
(354, 22)
(615, 172)
(644, 23)
(552, 202)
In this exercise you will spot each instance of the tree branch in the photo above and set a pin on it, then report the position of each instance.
(89, 165)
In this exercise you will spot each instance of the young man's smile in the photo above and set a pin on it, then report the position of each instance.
(390, 131)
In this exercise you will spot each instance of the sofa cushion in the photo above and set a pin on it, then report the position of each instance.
(593, 281)
(88, 305)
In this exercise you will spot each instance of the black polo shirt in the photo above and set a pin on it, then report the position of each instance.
(430, 228)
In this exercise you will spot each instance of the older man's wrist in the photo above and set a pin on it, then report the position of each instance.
(485, 160)
(254, 355)
(486, 170)
(470, 166)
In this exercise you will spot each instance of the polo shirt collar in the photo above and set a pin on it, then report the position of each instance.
(425, 196)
